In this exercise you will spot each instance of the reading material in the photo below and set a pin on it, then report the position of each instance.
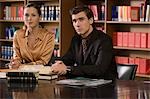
(83, 82)
(44, 72)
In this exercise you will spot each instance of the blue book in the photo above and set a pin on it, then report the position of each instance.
(114, 13)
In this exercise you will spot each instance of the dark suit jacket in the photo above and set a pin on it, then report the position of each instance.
(99, 61)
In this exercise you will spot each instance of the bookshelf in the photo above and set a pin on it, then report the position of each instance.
(61, 24)
(104, 22)
(10, 20)
(110, 26)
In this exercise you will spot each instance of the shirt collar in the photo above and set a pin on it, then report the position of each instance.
(39, 34)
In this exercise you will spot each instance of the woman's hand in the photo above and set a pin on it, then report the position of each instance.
(14, 64)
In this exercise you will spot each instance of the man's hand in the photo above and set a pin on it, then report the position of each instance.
(59, 67)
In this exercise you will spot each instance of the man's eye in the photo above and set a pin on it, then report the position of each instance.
(26, 15)
(74, 20)
(33, 15)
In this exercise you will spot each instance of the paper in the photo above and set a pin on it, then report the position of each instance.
(35, 68)
(2, 74)
(41, 69)
(85, 82)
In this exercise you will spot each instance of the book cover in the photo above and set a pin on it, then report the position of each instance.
(137, 61)
(114, 13)
(135, 13)
(148, 45)
(94, 9)
(142, 12)
(47, 77)
(147, 13)
(115, 38)
(144, 39)
(102, 13)
(119, 38)
(28, 71)
(144, 65)
(131, 39)
(125, 39)
(137, 39)
(131, 60)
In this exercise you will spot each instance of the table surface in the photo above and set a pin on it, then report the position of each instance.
(50, 90)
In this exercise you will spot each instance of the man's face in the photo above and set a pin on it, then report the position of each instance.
(82, 24)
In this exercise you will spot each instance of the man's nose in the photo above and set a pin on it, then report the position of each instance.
(29, 18)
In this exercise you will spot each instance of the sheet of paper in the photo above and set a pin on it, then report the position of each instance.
(85, 82)
(2, 74)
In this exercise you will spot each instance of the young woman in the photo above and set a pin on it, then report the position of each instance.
(32, 44)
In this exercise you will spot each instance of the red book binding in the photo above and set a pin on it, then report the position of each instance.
(119, 38)
(144, 40)
(137, 39)
(131, 39)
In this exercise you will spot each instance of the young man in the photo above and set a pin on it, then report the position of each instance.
(95, 60)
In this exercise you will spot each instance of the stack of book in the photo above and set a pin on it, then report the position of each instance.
(47, 74)
(18, 76)
(28, 74)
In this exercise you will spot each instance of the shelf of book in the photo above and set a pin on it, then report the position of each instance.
(127, 20)
(12, 1)
(6, 40)
(143, 75)
(136, 22)
(2, 59)
(130, 48)
(51, 21)
(11, 21)
(129, 17)
(56, 24)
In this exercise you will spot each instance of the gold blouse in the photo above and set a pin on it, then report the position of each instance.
(42, 49)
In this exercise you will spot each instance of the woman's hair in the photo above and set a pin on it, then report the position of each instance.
(36, 6)
(83, 8)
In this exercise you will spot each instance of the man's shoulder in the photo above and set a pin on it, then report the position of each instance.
(101, 35)
(76, 37)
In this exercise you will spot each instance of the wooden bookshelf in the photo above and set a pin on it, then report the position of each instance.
(67, 31)
(122, 26)
(143, 75)
(130, 48)
(61, 23)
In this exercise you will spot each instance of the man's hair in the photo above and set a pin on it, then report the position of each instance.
(36, 6)
(81, 8)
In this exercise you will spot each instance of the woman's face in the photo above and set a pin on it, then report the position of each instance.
(31, 17)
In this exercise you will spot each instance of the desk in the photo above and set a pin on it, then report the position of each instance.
(49, 90)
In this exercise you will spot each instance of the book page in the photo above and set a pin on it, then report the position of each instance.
(41, 69)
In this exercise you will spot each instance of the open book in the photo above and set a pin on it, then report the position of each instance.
(44, 72)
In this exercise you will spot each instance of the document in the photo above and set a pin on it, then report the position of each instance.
(44, 72)
(2, 75)
(83, 82)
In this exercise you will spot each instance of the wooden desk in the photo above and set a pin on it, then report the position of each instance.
(49, 90)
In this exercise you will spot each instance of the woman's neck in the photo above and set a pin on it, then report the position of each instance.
(35, 30)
